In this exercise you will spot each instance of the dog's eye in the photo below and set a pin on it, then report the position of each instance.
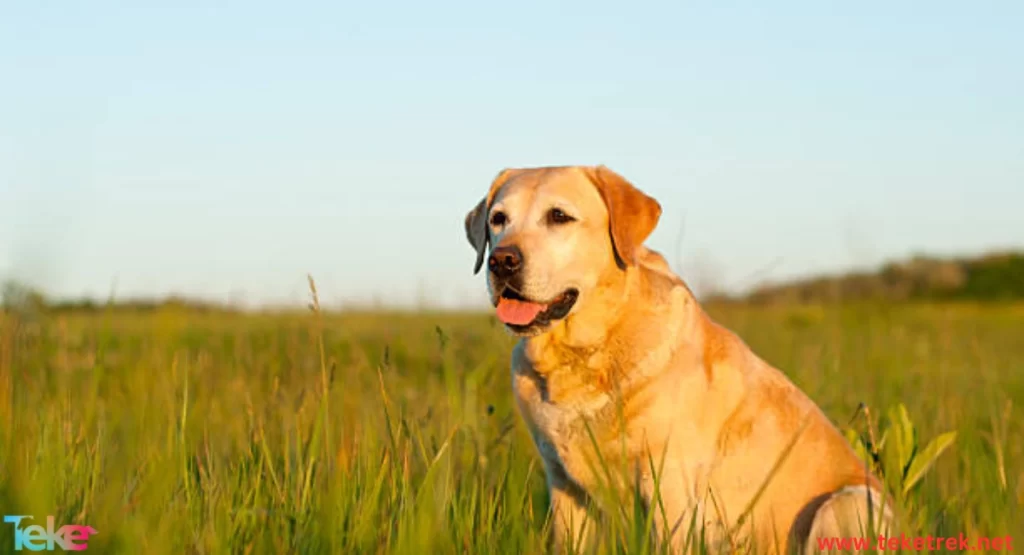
(498, 219)
(556, 216)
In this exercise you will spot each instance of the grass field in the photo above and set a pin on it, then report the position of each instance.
(180, 431)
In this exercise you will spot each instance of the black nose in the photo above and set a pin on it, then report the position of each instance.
(505, 261)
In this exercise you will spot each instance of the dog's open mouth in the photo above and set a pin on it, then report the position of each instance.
(520, 313)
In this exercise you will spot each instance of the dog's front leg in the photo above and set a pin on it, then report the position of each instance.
(681, 520)
(569, 521)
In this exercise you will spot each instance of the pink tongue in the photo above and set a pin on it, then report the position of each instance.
(518, 313)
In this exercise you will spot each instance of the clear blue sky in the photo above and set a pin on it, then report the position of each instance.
(227, 149)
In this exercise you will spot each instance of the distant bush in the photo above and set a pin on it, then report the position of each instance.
(995, 277)
(20, 298)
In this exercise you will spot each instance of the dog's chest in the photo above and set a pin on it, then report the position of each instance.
(560, 426)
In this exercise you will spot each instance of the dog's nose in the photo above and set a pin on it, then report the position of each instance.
(505, 261)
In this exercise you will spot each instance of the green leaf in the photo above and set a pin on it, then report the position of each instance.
(858, 445)
(926, 459)
(906, 437)
(881, 442)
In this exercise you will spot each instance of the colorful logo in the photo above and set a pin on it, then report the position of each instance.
(69, 537)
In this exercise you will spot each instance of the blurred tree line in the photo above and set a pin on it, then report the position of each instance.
(22, 299)
(991, 277)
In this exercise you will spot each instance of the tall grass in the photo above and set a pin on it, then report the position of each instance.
(188, 432)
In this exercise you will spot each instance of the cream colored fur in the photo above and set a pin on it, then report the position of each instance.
(640, 371)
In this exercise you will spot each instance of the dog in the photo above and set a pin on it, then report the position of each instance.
(618, 366)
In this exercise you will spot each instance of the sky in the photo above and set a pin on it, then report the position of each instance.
(227, 150)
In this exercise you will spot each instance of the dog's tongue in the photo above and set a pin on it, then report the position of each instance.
(518, 313)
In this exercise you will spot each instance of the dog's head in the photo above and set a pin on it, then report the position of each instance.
(551, 236)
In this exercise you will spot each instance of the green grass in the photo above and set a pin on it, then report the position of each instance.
(189, 432)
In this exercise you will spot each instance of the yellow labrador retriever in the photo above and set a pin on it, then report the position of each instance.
(619, 367)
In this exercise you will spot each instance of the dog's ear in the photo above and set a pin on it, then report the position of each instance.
(476, 231)
(632, 215)
(476, 219)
